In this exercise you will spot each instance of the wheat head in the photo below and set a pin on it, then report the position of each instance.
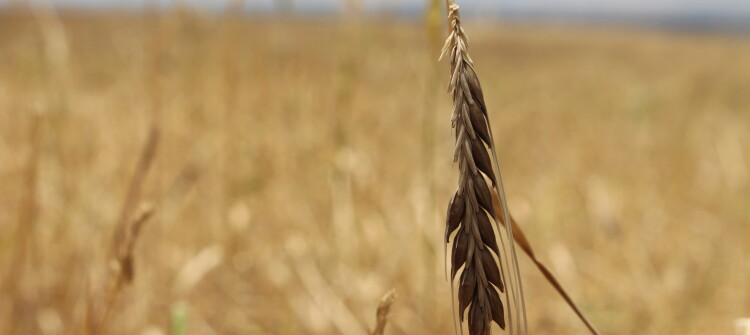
(486, 266)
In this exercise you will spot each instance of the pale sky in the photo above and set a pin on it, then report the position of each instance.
(736, 7)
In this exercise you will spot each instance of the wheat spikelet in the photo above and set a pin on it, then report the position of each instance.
(486, 265)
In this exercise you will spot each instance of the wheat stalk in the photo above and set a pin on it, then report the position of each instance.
(384, 307)
(470, 210)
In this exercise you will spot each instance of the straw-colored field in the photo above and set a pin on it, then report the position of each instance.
(303, 167)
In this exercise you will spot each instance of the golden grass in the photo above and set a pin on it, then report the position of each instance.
(290, 207)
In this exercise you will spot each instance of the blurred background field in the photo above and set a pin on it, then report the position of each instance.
(303, 166)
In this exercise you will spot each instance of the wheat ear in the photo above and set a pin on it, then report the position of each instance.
(471, 212)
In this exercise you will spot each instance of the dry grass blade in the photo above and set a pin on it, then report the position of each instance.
(384, 306)
(520, 238)
(485, 262)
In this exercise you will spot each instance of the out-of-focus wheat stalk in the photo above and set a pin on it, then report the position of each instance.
(230, 86)
(133, 196)
(381, 316)
(56, 51)
(28, 205)
(471, 209)
(129, 223)
(123, 267)
(126, 232)
(100, 304)
(25, 228)
(427, 208)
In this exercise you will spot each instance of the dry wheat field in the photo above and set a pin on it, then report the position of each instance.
(201, 173)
